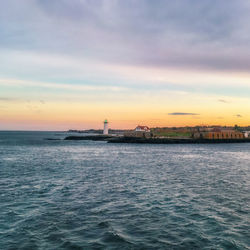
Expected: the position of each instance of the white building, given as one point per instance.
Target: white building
(246, 134)
(142, 128)
(106, 128)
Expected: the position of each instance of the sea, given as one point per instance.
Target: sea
(59, 194)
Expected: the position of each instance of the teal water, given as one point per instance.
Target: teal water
(95, 195)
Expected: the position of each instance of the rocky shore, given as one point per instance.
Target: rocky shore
(112, 139)
(173, 140)
(89, 137)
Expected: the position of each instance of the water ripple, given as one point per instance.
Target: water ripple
(93, 195)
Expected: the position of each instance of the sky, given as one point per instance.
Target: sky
(71, 64)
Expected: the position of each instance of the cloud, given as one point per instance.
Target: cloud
(222, 100)
(64, 86)
(181, 113)
(175, 34)
(5, 99)
(8, 99)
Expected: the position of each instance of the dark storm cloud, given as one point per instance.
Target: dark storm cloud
(194, 34)
(181, 113)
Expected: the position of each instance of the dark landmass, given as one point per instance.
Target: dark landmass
(173, 140)
(89, 131)
(97, 131)
(52, 139)
(112, 139)
(89, 137)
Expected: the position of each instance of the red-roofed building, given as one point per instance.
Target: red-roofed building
(139, 131)
(142, 128)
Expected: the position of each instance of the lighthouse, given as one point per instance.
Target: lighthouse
(105, 129)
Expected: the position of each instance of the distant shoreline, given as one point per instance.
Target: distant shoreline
(111, 139)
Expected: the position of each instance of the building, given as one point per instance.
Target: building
(139, 131)
(218, 134)
(142, 128)
(105, 129)
(246, 134)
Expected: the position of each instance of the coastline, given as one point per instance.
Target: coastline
(112, 139)
(88, 137)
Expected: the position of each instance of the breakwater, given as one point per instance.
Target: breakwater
(123, 139)
(88, 137)
(173, 140)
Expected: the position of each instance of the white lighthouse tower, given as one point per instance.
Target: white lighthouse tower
(106, 128)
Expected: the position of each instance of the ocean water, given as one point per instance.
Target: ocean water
(95, 195)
